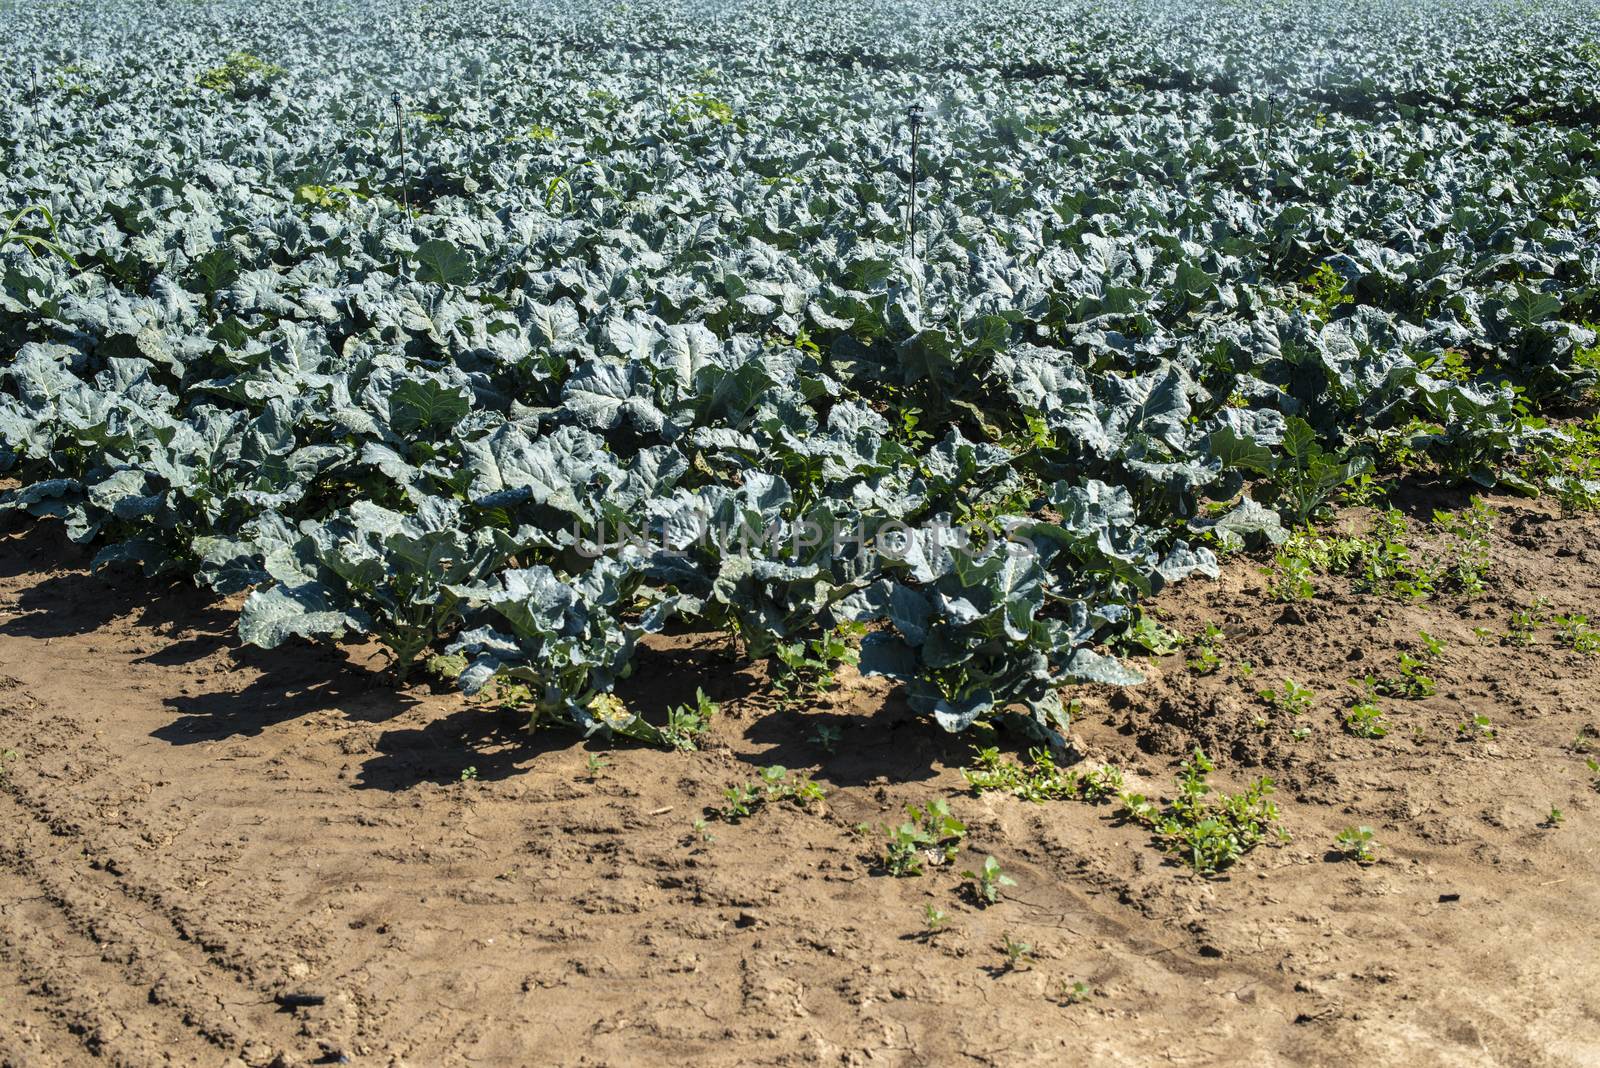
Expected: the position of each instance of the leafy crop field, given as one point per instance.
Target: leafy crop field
(958, 493)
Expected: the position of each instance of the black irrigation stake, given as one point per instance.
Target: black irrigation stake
(405, 170)
(914, 117)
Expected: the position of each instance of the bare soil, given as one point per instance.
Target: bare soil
(189, 830)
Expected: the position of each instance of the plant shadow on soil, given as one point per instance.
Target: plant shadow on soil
(493, 743)
(875, 746)
(69, 600)
(878, 739)
(293, 682)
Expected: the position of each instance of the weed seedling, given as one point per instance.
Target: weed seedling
(988, 881)
(1292, 698)
(1018, 954)
(1207, 830)
(469, 774)
(1290, 578)
(1204, 660)
(933, 919)
(1575, 633)
(1476, 728)
(1554, 819)
(827, 737)
(686, 724)
(1364, 719)
(1100, 784)
(812, 666)
(1075, 993)
(1468, 532)
(1137, 808)
(1412, 683)
(772, 785)
(1525, 621)
(1357, 844)
(931, 835)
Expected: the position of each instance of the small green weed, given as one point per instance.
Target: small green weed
(1292, 698)
(1075, 993)
(1574, 632)
(930, 835)
(812, 666)
(1018, 954)
(1357, 844)
(1207, 830)
(1205, 659)
(987, 881)
(1364, 718)
(687, 724)
(827, 737)
(1525, 621)
(772, 785)
(1041, 779)
(1324, 291)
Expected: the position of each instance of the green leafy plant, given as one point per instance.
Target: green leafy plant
(772, 785)
(34, 244)
(987, 881)
(1041, 779)
(812, 666)
(1324, 293)
(1305, 474)
(1411, 683)
(1468, 534)
(1387, 565)
(331, 197)
(1574, 632)
(1147, 634)
(1364, 718)
(1525, 621)
(827, 736)
(1207, 829)
(1017, 953)
(1357, 844)
(930, 834)
(1205, 659)
(687, 724)
(1292, 699)
(1075, 993)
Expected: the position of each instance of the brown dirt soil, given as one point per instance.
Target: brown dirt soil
(190, 829)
